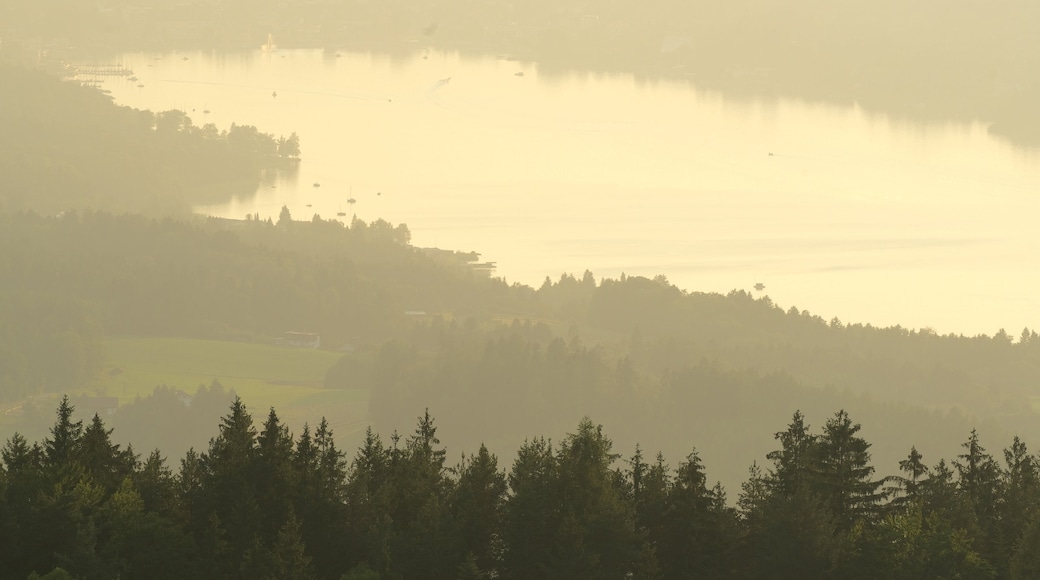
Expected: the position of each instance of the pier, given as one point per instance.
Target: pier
(102, 70)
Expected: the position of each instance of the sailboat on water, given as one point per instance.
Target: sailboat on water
(269, 46)
(350, 200)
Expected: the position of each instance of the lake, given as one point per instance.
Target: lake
(836, 210)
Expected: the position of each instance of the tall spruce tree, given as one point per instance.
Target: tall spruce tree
(979, 484)
(61, 447)
(368, 495)
(532, 512)
(905, 490)
(478, 506)
(1020, 496)
(793, 462)
(700, 531)
(596, 536)
(102, 460)
(274, 477)
(426, 541)
(229, 488)
(843, 473)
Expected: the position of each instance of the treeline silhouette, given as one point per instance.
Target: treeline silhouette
(422, 327)
(259, 502)
(68, 147)
(71, 280)
(631, 351)
(498, 388)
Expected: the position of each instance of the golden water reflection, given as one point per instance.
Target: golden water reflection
(842, 212)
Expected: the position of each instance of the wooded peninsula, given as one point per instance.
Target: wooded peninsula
(155, 331)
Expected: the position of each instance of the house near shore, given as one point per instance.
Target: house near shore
(101, 406)
(184, 398)
(301, 339)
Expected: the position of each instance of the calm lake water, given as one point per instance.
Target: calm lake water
(835, 210)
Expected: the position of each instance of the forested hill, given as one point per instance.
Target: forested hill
(262, 502)
(68, 147)
(68, 279)
(421, 328)
(645, 357)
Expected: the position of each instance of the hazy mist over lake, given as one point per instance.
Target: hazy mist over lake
(454, 289)
(846, 213)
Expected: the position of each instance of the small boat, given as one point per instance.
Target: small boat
(760, 286)
(269, 46)
(352, 201)
(316, 184)
(308, 205)
(274, 94)
(140, 86)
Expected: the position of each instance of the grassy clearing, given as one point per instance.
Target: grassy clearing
(288, 379)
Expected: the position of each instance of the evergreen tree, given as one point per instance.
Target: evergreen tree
(792, 525)
(229, 487)
(61, 447)
(134, 543)
(22, 483)
(906, 488)
(700, 531)
(794, 537)
(368, 497)
(978, 478)
(531, 512)
(1020, 496)
(596, 535)
(157, 486)
(274, 479)
(909, 545)
(426, 543)
(652, 503)
(843, 472)
(102, 460)
(332, 464)
(754, 492)
(478, 506)
(1025, 562)
(792, 463)
(979, 483)
(285, 559)
(322, 512)
(21, 458)
(636, 473)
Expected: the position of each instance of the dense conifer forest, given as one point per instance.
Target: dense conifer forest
(645, 358)
(261, 502)
(67, 147)
(99, 243)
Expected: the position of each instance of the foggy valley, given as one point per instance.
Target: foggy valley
(354, 290)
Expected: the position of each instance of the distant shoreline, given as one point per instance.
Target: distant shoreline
(941, 93)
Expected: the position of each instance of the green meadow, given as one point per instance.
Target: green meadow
(288, 379)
